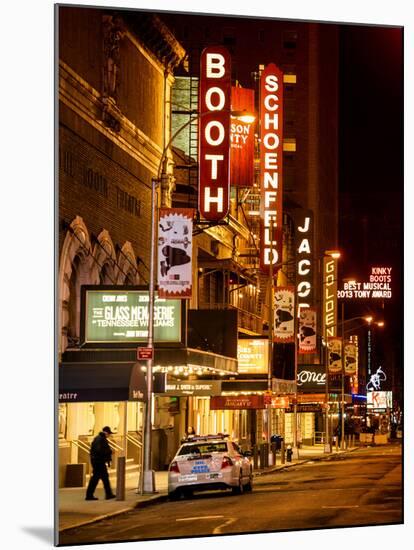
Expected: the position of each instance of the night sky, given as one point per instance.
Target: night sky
(371, 173)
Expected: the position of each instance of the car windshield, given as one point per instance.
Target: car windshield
(203, 448)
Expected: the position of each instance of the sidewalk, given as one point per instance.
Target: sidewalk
(74, 511)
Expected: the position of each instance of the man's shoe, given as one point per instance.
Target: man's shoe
(91, 498)
(110, 496)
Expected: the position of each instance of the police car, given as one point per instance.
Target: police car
(203, 463)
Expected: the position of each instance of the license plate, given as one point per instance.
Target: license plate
(189, 477)
(214, 476)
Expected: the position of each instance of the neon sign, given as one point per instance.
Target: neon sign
(378, 286)
(214, 133)
(271, 155)
(376, 379)
(304, 232)
(330, 278)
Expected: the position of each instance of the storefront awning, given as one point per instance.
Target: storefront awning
(96, 381)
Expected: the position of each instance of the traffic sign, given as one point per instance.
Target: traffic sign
(145, 353)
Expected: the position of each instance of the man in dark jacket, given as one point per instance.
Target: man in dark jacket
(101, 456)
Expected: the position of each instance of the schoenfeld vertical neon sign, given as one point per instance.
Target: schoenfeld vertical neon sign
(214, 133)
(271, 159)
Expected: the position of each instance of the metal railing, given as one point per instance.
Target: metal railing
(318, 438)
(80, 444)
(134, 440)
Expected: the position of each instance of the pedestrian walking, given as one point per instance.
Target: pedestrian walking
(101, 457)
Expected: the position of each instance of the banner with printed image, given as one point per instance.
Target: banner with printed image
(351, 358)
(334, 355)
(307, 331)
(284, 315)
(175, 240)
(242, 139)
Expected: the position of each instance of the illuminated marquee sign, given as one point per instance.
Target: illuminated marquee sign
(242, 139)
(379, 400)
(252, 356)
(330, 279)
(304, 244)
(271, 161)
(378, 286)
(116, 315)
(214, 133)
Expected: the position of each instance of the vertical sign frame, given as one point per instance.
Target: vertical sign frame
(214, 133)
(271, 163)
(330, 301)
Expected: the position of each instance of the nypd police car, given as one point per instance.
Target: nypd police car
(210, 462)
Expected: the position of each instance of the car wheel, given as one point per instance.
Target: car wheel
(174, 495)
(238, 490)
(249, 484)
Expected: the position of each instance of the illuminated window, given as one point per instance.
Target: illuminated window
(289, 144)
(289, 79)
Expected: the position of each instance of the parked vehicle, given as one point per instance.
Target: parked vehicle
(210, 462)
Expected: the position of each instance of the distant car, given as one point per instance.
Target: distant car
(204, 463)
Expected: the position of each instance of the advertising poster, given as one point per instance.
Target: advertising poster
(307, 331)
(242, 139)
(284, 315)
(334, 355)
(252, 356)
(175, 248)
(379, 399)
(121, 316)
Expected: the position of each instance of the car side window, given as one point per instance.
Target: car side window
(236, 448)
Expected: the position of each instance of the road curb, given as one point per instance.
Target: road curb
(138, 504)
(305, 461)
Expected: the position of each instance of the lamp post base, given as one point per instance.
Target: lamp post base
(295, 453)
(148, 482)
(327, 448)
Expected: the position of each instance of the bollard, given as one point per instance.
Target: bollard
(282, 452)
(266, 455)
(273, 450)
(120, 478)
(289, 453)
(353, 440)
(262, 455)
(255, 457)
(336, 443)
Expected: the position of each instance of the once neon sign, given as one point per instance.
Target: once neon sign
(271, 155)
(214, 133)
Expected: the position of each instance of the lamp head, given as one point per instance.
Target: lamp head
(244, 116)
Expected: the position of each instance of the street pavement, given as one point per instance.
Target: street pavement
(345, 489)
(74, 511)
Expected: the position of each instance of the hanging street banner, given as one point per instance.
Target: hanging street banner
(303, 220)
(117, 315)
(271, 163)
(350, 358)
(329, 305)
(242, 139)
(284, 315)
(334, 355)
(175, 237)
(214, 133)
(307, 331)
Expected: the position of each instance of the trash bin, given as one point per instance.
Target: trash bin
(277, 440)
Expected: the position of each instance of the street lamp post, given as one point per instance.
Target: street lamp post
(147, 480)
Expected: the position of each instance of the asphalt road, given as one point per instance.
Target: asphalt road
(360, 488)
